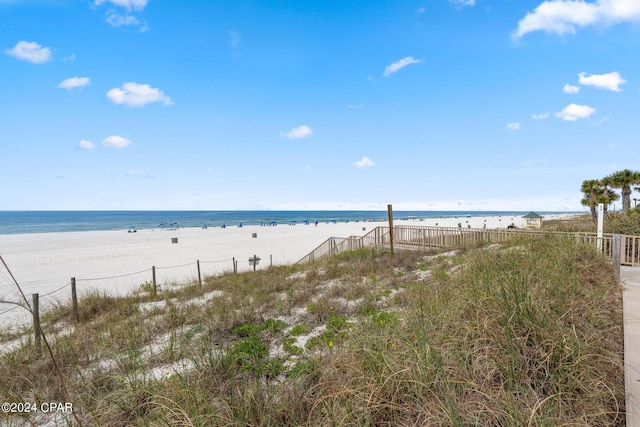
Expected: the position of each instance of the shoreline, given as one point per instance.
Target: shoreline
(118, 262)
(26, 222)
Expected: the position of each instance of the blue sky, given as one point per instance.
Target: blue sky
(244, 104)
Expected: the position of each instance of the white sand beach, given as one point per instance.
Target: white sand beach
(119, 262)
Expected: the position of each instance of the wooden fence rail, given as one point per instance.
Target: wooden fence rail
(422, 238)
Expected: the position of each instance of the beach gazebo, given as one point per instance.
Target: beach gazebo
(532, 220)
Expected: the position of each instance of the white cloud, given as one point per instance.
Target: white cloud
(513, 126)
(136, 95)
(541, 116)
(299, 132)
(609, 81)
(397, 66)
(573, 112)
(69, 58)
(421, 10)
(115, 142)
(86, 145)
(365, 162)
(30, 52)
(463, 2)
(570, 89)
(116, 20)
(127, 4)
(74, 82)
(563, 16)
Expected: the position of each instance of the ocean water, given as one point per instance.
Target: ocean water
(18, 222)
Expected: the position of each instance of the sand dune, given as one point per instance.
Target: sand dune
(118, 261)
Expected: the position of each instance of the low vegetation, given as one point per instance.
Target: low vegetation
(523, 333)
(574, 223)
(615, 223)
(624, 223)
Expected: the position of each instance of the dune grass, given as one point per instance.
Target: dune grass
(575, 223)
(527, 333)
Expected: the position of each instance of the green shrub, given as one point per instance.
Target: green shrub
(248, 330)
(299, 330)
(336, 323)
(288, 345)
(274, 325)
(624, 223)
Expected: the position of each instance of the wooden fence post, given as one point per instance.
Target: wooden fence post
(74, 300)
(153, 276)
(36, 321)
(600, 226)
(199, 276)
(616, 254)
(271, 260)
(390, 213)
(235, 265)
(254, 262)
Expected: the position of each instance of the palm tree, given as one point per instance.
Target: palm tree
(590, 188)
(623, 179)
(595, 192)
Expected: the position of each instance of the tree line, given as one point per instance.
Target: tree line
(596, 191)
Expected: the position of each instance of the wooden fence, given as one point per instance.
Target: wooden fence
(423, 238)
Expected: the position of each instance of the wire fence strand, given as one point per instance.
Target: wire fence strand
(214, 262)
(11, 309)
(175, 266)
(112, 277)
(59, 289)
(92, 279)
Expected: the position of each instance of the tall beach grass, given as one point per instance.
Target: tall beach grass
(527, 333)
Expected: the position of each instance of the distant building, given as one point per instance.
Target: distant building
(532, 220)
